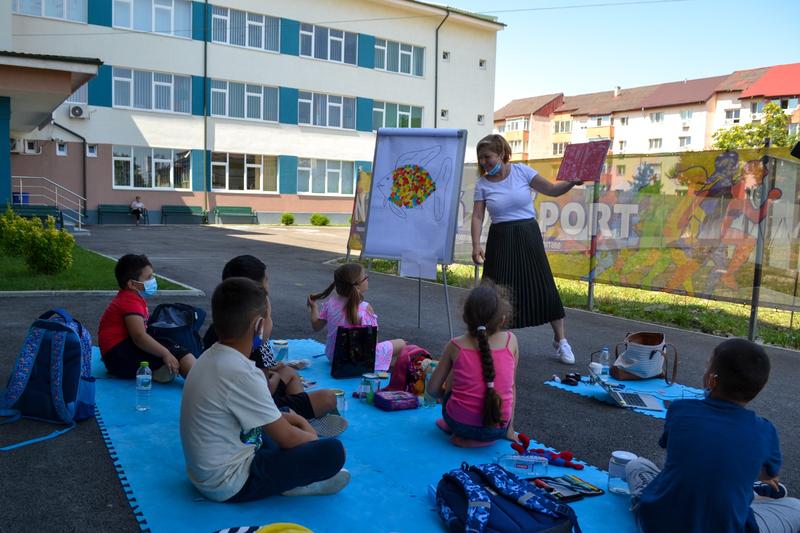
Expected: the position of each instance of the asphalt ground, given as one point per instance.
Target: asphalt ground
(69, 483)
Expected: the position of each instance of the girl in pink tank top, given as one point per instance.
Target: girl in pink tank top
(476, 373)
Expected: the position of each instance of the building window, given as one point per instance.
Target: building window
(501, 128)
(562, 126)
(686, 114)
(244, 172)
(80, 96)
(516, 146)
(602, 120)
(517, 124)
(240, 100)
(481, 119)
(390, 115)
(168, 17)
(444, 114)
(326, 110)
(620, 170)
(151, 168)
(623, 121)
(91, 150)
(241, 28)
(61, 149)
(325, 176)
(74, 10)
(329, 44)
(399, 57)
(622, 145)
(756, 107)
(558, 148)
(732, 116)
(152, 91)
(445, 55)
(655, 144)
(657, 117)
(482, 64)
(684, 142)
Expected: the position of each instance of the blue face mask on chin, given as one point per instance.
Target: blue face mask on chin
(495, 170)
(150, 287)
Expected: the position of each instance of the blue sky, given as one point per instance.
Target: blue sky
(592, 49)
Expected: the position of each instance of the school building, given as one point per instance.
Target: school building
(267, 105)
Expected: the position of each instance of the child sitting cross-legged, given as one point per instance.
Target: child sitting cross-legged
(122, 334)
(237, 445)
(721, 471)
(476, 373)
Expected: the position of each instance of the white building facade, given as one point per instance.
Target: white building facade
(268, 105)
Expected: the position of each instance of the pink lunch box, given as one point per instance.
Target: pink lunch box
(395, 400)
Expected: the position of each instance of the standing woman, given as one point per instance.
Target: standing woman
(515, 256)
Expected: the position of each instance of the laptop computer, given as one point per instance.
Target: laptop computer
(629, 400)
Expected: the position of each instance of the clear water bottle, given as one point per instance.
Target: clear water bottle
(427, 399)
(144, 382)
(604, 362)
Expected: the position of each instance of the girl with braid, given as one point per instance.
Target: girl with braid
(476, 373)
(347, 308)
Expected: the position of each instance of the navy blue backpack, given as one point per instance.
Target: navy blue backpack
(180, 323)
(489, 499)
(52, 376)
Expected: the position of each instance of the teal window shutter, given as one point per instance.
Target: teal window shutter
(197, 95)
(100, 87)
(287, 105)
(99, 12)
(199, 17)
(287, 174)
(198, 162)
(290, 37)
(364, 114)
(366, 50)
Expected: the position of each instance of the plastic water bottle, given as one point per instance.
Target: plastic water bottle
(604, 362)
(427, 399)
(144, 382)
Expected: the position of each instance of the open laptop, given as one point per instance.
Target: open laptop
(630, 400)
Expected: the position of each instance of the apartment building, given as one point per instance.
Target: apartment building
(656, 119)
(268, 105)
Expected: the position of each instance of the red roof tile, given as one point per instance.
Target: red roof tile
(781, 80)
(525, 106)
(682, 92)
(741, 79)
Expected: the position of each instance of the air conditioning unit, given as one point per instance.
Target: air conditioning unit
(80, 111)
(16, 146)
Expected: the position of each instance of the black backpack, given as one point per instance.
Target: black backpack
(489, 499)
(180, 323)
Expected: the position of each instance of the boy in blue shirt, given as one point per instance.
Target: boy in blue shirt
(718, 453)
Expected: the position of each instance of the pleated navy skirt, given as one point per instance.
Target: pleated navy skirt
(515, 258)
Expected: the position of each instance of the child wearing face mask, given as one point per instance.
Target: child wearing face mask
(122, 334)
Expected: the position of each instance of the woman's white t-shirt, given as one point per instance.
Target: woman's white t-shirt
(508, 199)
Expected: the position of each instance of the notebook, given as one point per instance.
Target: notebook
(630, 400)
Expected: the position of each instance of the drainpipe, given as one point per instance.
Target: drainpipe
(436, 73)
(206, 31)
(83, 139)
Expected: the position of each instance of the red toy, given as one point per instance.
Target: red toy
(553, 458)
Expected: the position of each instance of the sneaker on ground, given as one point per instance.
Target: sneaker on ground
(332, 485)
(564, 352)
(768, 491)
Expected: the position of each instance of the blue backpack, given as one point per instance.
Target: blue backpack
(180, 323)
(489, 499)
(52, 377)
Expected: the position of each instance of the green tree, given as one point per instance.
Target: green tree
(774, 125)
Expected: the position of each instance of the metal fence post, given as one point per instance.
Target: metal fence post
(769, 178)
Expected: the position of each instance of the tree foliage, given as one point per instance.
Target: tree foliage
(773, 125)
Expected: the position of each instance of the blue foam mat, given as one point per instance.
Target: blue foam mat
(655, 387)
(393, 458)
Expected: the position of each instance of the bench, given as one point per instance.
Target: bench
(183, 211)
(234, 211)
(118, 209)
(39, 211)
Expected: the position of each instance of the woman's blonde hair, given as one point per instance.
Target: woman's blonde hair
(496, 144)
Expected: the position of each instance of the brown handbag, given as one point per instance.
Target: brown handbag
(645, 355)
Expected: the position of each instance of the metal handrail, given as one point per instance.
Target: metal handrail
(72, 204)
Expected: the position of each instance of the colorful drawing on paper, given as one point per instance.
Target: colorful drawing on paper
(419, 178)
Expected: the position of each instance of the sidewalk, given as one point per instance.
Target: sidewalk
(71, 478)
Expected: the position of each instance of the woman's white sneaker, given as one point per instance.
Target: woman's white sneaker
(564, 352)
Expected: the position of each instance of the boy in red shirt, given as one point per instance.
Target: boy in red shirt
(122, 334)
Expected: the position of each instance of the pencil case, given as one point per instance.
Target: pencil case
(395, 400)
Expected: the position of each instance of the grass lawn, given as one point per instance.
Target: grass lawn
(709, 316)
(89, 271)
